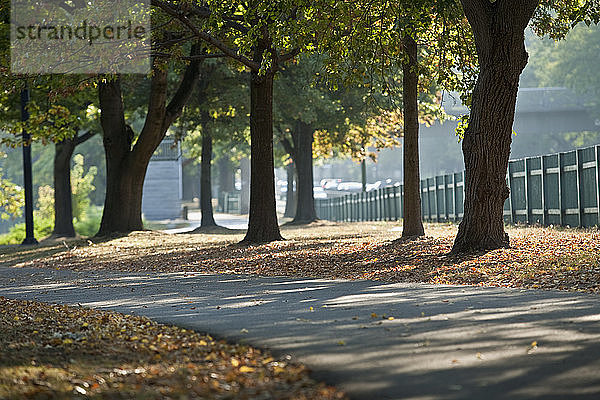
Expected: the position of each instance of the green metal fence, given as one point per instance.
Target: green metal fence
(558, 189)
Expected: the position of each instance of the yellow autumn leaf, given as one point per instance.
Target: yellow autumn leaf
(245, 368)
(235, 362)
(203, 343)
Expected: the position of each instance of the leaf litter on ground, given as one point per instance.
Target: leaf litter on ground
(539, 257)
(63, 352)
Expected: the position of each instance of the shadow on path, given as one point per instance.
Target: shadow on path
(374, 340)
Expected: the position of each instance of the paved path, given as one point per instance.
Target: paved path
(231, 221)
(443, 343)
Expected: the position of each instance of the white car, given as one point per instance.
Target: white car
(319, 192)
(350, 187)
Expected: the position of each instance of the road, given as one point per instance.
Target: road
(374, 340)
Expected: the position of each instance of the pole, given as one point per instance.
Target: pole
(27, 175)
(363, 170)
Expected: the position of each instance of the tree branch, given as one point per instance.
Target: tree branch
(287, 145)
(288, 56)
(84, 138)
(229, 52)
(186, 87)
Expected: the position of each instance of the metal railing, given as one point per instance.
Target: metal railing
(552, 189)
(231, 203)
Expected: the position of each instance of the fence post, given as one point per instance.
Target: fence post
(402, 202)
(527, 208)
(395, 191)
(464, 188)
(363, 212)
(579, 187)
(598, 183)
(381, 192)
(560, 174)
(423, 191)
(543, 189)
(454, 189)
(387, 207)
(510, 198)
(446, 213)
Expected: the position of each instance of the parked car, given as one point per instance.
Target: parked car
(350, 187)
(319, 193)
(373, 186)
(330, 183)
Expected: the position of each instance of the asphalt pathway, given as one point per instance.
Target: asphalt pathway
(374, 340)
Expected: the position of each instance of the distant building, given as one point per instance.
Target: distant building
(163, 191)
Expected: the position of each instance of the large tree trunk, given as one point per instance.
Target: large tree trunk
(206, 208)
(262, 222)
(499, 36)
(412, 225)
(290, 196)
(226, 177)
(126, 164)
(63, 206)
(122, 181)
(303, 140)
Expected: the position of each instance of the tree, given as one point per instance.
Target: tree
(126, 160)
(412, 225)
(571, 62)
(63, 202)
(498, 29)
(11, 197)
(303, 106)
(430, 42)
(262, 36)
(215, 114)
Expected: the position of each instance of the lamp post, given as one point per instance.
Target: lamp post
(27, 175)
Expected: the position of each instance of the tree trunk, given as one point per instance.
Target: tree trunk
(262, 222)
(499, 37)
(206, 208)
(290, 197)
(226, 178)
(119, 214)
(303, 140)
(412, 225)
(126, 163)
(63, 206)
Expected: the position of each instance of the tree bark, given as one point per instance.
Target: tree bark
(206, 208)
(290, 197)
(262, 222)
(302, 137)
(499, 37)
(412, 225)
(63, 206)
(126, 163)
(226, 175)
(119, 214)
